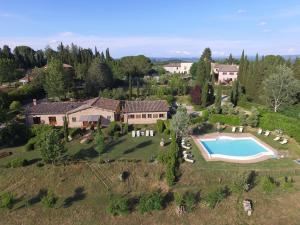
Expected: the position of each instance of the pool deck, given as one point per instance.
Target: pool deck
(216, 134)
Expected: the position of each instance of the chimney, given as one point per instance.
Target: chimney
(34, 101)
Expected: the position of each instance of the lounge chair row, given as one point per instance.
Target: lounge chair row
(234, 129)
(277, 138)
(188, 157)
(139, 133)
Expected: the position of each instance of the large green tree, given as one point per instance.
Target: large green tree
(51, 147)
(280, 88)
(180, 122)
(99, 76)
(203, 73)
(135, 67)
(55, 82)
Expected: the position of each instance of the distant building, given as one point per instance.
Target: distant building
(223, 73)
(183, 67)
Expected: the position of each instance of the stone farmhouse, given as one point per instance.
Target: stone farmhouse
(223, 73)
(87, 113)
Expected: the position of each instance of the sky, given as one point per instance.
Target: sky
(156, 28)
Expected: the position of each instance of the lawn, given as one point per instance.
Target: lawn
(125, 147)
(82, 198)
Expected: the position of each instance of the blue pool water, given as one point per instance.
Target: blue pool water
(234, 147)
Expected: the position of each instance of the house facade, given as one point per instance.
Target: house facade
(183, 67)
(224, 74)
(88, 113)
(145, 112)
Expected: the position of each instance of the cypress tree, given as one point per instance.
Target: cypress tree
(218, 99)
(204, 95)
(66, 129)
(241, 66)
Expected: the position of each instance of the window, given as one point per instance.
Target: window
(131, 116)
(161, 115)
(149, 115)
(73, 119)
(224, 73)
(52, 120)
(231, 73)
(36, 120)
(155, 116)
(138, 116)
(144, 116)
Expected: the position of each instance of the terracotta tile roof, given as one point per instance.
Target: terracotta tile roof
(226, 68)
(146, 106)
(52, 107)
(105, 103)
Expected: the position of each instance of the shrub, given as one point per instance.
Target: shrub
(17, 163)
(166, 131)
(214, 197)
(243, 119)
(195, 94)
(6, 200)
(178, 197)
(14, 134)
(267, 184)
(112, 128)
(170, 175)
(197, 120)
(15, 106)
(160, 126)
(49, 200)
(125, 129)
(99, 142)
(150, 202)
(118, 206)
(189, 200)
(205, 114)
(228, 109)
(287, 183)
(30, 145)
(73, 132)
(289, 125)
(225, 119)
(253, 119)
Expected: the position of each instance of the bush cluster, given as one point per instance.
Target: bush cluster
(187, 199)
(118, 206)
(6, 200)
(216, 196)
(225, 119)
(150, 202)
(49, 200)
(16, 163)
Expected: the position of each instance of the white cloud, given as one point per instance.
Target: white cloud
(262, 23)
(154, 46)
(67, 34)
(181, 52)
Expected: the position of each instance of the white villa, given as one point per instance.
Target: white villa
(182, 67)
(224, 74)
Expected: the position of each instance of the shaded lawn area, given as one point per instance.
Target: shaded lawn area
(125, 147)
(140, 148)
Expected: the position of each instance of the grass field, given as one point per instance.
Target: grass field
(82, 198)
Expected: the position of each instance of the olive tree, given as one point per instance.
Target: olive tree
(280, 88)
(180, 122)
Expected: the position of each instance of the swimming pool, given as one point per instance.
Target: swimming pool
(238, 148)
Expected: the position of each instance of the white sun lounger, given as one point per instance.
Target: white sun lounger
(185, 147)
(259, 131)
(133, 133)
(151, 133)
(277, 138)
(267, 133)
(138, 133)
(233, 129)
(241, 129)
(284, 141)
(189, 160)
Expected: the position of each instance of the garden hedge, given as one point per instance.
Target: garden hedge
(233, 120)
